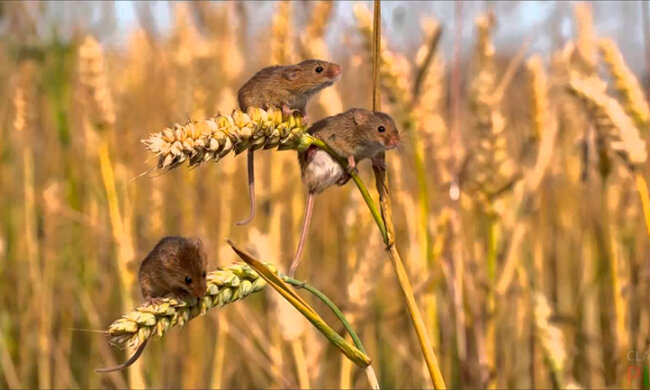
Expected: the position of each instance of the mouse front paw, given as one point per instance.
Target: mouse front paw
(153, 301)
(352, 166)
(288, 111)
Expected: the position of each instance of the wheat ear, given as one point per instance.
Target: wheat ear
(610, 117)
(625, 83)
(213, 138)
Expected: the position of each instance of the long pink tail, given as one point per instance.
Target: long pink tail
(303, 234)
(251, 189)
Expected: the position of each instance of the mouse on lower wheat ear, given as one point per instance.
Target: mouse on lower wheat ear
(176, 266)
(287, 87)
(355, 135)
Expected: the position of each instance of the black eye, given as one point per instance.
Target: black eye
(188, 280)
(319, 69)
(381, 129)
(203, 274)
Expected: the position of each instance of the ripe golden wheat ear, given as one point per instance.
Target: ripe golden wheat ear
(626, 84)
(92, 73)
(617, 127)
(213, 138)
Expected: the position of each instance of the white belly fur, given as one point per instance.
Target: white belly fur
(321, 172)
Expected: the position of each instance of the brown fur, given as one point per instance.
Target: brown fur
(287, 85)
(165, 268)
(351, 133)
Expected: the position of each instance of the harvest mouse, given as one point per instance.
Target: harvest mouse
(287, 87)
(355, 135)
(176, 265)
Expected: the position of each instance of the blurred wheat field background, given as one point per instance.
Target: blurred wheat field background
(519, 195)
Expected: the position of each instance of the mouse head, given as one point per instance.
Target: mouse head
(185, 264)
(311, 76)
(376, 127)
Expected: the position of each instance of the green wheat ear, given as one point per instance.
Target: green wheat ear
(225, 286)
(213, 138)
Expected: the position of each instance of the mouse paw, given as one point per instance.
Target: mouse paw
(379, 163)
(153, 301)
(288, 111)
(352, 166)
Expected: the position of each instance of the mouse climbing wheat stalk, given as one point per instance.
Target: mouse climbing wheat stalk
(176, 265)
(355, 135)
(287, 87)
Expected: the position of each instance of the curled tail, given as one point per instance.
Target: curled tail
(251, 189)
(303, 234)
(127, 363)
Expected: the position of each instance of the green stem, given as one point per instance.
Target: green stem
(357, 180)
(330, 304)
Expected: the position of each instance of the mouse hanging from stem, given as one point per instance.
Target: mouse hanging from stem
(287, 87)
(175, 266)
(355, 135)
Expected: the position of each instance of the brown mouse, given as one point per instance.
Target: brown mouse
(356, 134)
(176, 265)
(287, 87)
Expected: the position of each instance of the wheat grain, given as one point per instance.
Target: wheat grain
(214, 138)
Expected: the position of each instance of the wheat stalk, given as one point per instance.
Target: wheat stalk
(312, 42)
(282, 34)
(585, 55)
(23, 102)
(385, 220)
(313, 45)
(626, 83)
(212, 139)
(550, 338)
(393, 74)
(430, 100)
(494, 166)
(393, 69)
(539, 99)
(92, 72)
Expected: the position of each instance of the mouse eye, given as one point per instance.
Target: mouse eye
(381, 129)
(203, 274)
(188, 280)
(319, 69)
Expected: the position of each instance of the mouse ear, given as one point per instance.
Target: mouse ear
(359, 117)
(197, 242)
(291, 73)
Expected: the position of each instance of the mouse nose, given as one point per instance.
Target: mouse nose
(335, 71)
(200, 291)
